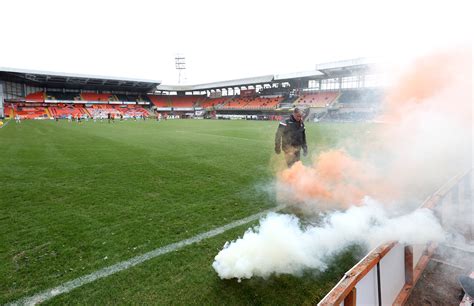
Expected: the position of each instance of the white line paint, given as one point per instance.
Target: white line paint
(5, 124)
(78, 282)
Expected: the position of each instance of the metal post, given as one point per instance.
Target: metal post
(409, 265)
(2, 98)
(379, 291)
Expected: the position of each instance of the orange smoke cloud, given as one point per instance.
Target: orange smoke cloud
(429, 77)
(334, 178)
(431, 139)
(431, 107)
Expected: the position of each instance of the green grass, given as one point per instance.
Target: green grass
(80, 197)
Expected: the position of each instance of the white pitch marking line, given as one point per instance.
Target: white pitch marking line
(4, 125)
(104, 272)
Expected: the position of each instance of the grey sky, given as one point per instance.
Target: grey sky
(220, 39)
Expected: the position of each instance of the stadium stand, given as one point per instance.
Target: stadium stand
(253, 103)
(363, 96)
(175, 101)
(131, 98)
(259, 102)
(236, 103)
(8, 110)
(259, 98)
(320, 99)
(120, 97)
(129, 111)
(63, 96)
(138, 98)
(90, 96)
(64, 111)
(160, 101)
(277, 91)
(35, 97)
(85, 96)
(209, 103)
(184, 101)
(289, 99)
(101, 111)
(28, 112)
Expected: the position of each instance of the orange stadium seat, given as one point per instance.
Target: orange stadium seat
(207, 103)
(8, 110)
(102, 110)
(259, 102)
(132, 111)
(184, 101)
(160, 101)
(35, 97)
(253, 103)
(236, 103)
(65, 111)
(175, 101)
(26, 112)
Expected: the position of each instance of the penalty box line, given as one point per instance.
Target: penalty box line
(107, 271)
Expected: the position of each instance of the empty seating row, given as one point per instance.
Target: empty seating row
(67, 110)
(207, 103)
(36, 112)
(175, 101)
(320, 99)
(253, 103)
(41, 96)
(35, 97)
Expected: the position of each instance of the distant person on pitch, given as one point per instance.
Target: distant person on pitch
(291, 138)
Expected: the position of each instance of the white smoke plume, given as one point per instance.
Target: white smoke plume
(282, 245)
(424, 138)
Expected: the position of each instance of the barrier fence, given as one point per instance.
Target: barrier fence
(388, 273)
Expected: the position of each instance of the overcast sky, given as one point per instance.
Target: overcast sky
(221, 40)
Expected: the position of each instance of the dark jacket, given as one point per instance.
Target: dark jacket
(290, 134)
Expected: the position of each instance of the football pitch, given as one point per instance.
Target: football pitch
(79, 197)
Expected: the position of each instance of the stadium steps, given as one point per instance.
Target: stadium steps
(225, 102)
(84, 111)
(335, 100)
(48, 112)
(169, 101)
(228, 100)
(199, 101)
(320, 114)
